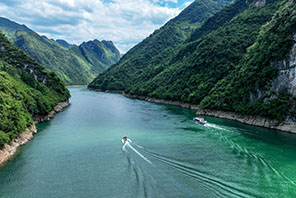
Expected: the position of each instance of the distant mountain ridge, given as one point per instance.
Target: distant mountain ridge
(64, 43)
(73, 64)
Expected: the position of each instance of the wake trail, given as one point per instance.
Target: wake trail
(136, 151)
(215, 126)
(248, 153)
(170, 178)
(208, 180)
(139, 146)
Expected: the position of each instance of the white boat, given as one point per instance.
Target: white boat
(200, 121)
(125, 140)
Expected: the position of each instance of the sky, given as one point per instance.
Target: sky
(125, 22)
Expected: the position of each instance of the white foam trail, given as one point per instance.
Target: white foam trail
(135, 150)
(214, 126)
(139, 146)
(124, 145)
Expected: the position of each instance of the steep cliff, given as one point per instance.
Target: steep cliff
(286, 72)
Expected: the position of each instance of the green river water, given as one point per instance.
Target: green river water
(79, 154)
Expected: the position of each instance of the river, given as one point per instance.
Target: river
(79, 154)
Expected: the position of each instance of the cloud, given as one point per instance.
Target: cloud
(125, 22)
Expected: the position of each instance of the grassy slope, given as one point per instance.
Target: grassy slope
(158, 47)
(26, 89)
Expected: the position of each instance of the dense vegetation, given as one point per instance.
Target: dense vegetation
(252, 77)
(207, 60)
(158, 47)
(219, 19)
(73, 64)
(26, 89)
(223, 62)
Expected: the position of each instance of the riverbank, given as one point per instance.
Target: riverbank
(9, 150)
(161, 101)
(76, 85)
(250, 120)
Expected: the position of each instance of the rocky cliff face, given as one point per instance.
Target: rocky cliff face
(9, 150)
(287, 72)
(60, 106)
(258, 3)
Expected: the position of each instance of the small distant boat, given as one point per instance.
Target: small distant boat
(199, 120)
(125, 140)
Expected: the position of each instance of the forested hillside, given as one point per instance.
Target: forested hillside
(199, 65)
(73, 64)
(263, 83)
(159, 47)
(231, 62)
(27, 89)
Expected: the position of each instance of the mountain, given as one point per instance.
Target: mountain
(200, 64)
(73, 64)
(158, 47)
(264, 81)
(64, 43)
(27, 89)
(103, 52)
(241, 59)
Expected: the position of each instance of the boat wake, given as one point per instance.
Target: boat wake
(215, 126)
(245, 152)
(206, 124)
(127, 144)
(220, 187)
(179, 188)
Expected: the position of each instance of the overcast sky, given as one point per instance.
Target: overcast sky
(125, 22)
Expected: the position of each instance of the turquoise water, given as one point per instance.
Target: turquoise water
(79, 154)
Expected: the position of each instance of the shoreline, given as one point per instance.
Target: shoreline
(9, 150)
(162, 101)
(259, 121)
(76, 86)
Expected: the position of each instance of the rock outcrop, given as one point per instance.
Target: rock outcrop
(9, 150)
(58, 108)
(258, 3)
(287, 72)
